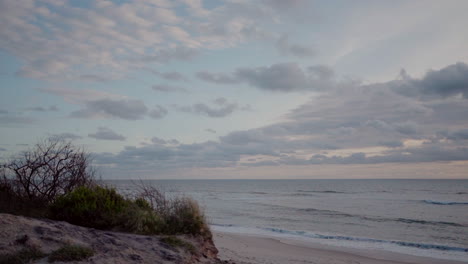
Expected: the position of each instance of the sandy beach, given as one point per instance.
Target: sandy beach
(246, 249)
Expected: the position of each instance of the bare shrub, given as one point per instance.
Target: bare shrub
(156, 198)
(182, 215)
(51, 168)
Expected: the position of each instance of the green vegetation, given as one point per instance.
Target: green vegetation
(22, 256)
(95, 206)
(104, 208)
(71, 253)
(186, 217)
(54, 180)
(178, 243)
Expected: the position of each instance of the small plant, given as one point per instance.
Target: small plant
(22, 256)
(181, 215)
(186, 217)
(178, 243)
(71, 253)
(139, 220)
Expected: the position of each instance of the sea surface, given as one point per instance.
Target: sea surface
(417, 217)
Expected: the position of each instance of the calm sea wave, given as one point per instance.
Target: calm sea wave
(419, 217)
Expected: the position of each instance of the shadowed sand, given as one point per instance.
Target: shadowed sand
(245, 249)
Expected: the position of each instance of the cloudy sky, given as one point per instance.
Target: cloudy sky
(240, 88)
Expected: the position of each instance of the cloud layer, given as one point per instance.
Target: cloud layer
(281, 77)
(356, 124)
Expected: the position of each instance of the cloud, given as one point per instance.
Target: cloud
(160, 141)
(105, 133)
(158, 112)
(409, 155)
(461, 134)
(66, 136)
(52, 108)
(2, 112)
(171, 76)
(14, 119)
(3, 149)
(446, 82)
(286, 48)
(278, 77)
(104, 40)
(210, 130)
(168, 55)
(168, 88)
(106, 108)
(221, 108)
(351, 124)
(281, 77)
(93, 78)
(408, 128)
(219, 78)
(80, 95)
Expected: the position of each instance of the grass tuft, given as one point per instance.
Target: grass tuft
(178, 243)
(22, 256)
(71, 253)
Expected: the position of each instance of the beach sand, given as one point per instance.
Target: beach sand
(246, 249)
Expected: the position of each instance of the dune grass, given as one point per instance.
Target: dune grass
(22, 256)
(178, 243)
(70, 253)
(151, 213)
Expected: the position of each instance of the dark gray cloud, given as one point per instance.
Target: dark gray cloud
(171, 76)
(3, 149)
(408, 155)
(219, 78)
(284, 77)
(407, 128)
(221, 108)
(52, 108)
(158, 112)
(244, 137)
(391, 144)
(12, 119)
(461, 134)
(66, 136)
(2, 112)
(105, 133)
(281, 77)
(160, 141)
(124, 109)
(210, 130)
(93, 78)
(449, 81)
(168, 88)
(286, 48)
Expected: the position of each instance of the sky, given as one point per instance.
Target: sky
(237, 89)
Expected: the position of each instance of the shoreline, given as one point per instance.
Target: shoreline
(251, 249)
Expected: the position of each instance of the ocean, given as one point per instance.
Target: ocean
(418, 217)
